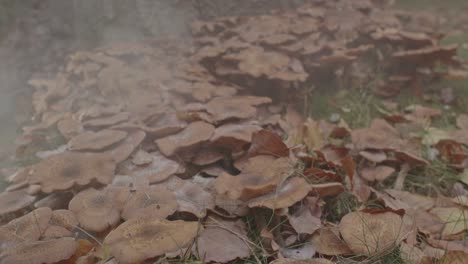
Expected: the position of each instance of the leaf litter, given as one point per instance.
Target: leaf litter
(183, 156)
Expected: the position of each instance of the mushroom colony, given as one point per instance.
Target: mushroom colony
(173, 150)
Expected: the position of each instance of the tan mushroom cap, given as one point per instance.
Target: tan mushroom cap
(370, 234)
(288, 193)
(142, 238)
(327, 241)
(69, 127)
(159, 169)
(194, 134)
(260, 175)
(98, 210)
(380, 135)
(374, 156)
(63, 171)
(102, 122)
(379, 173)
(429, 55)
(29, 227)
(13, 201)
(235, 135)
(257, 62)
(215, 244)
(125, 148)
(39, 252)
(235, 107)
(61, 224)
(93, 141)
(156, 201)
(191, 197)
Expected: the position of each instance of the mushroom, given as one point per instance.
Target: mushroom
(93, 141)
(14, 201)
(125, 148)
(63, 171)
(29, 227)
(61, 224)
(156, 201)
(234, 136)
(327, 241)
(39, 252)
(99, 210)
(260, 175)
(192, 135)
(288, 193)
(159, 169)
(143, 238)
(235, 107)
(191, 197)
(380, 135)
(369, 234)
(378, 173)
(102, 122)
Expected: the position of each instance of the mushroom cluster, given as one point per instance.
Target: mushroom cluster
(164, 153)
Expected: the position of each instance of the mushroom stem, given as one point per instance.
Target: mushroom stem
(400, 180)
(276, 230)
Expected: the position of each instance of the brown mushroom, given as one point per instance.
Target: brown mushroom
(143, 238)
(39, 252)
(327, 241)
(93, 141)
(63, 171)
(380, 135)
(192, 135)
(125, 148)
(378, 173)
(14, 201)
(159, 169)
(288, 193)
(29, 227)
(99, 210)
(260, 175)
(103, 122)
(235, 107)
(234, 136)
(156, 201)
(370, 234)
(191, 197)
(61, 224)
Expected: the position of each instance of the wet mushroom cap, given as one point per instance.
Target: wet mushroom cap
(39, 252)
(142, 238)
(93, 141)
(13, 201)
(63, 171)
(154, 201)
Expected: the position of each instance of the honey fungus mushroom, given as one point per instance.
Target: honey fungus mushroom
(39, 252)
(93, 141)
(14, 201)
(63, 171)
(139, 239)
(154, 201)
(98, 210)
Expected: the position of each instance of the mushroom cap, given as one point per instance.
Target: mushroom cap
(327, 241)
(328, 189)
(29, 227)
(296, 261)
(156, 201)
(379, 173)
(380, 135)
(194, 134)
(288, 193)
(370, 234)
(191, 197)
(98, 210)
(234, 135)
(454, 219)
(102, 122)
(63, 171)
(93, 141)
(13, 201)
(125, 148)
(159, 169)
(39, 252)
(141, 238)
(260, 175)
(215, 244)
(235, 107)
